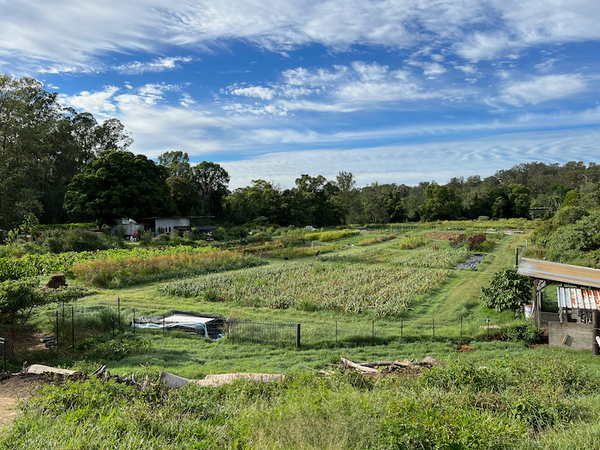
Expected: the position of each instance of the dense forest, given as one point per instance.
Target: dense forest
(60, 165)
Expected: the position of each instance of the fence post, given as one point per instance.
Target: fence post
(119, 311)
(57, 330)
(488, 326)
(373, 332)
(163, 324)
(73, 325)
(113, 321)
(3, 342)
(133, 323)
(297, 335)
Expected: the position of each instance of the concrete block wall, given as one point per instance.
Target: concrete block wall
(576, 336)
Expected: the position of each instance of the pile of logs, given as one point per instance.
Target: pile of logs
(389, 367)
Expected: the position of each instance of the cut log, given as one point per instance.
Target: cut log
(353, 365)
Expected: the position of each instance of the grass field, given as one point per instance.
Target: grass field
(491, 393)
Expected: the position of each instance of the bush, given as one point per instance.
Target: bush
(507, 291)
(525, 331)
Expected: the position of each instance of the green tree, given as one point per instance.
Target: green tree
(349, 196)
(177, 162)
(508, 291)
(441, 203)
(186, 197)
(211, 181)
(119, 184)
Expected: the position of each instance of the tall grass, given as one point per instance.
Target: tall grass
(114, 273)
(326, 236)
(520, 404)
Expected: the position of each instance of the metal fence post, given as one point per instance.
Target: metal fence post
(488, 326)
(73, 325)
(57, 330)
(373, 332)
(297, 335)
(133, 323)
(3, 342)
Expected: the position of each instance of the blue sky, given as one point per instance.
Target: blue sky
(393, 91)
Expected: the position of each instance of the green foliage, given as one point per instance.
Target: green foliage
(135, 270)
(569, 215)
(524, 331)
(507, 291)
(326, 236)
(441, 203)
(351, 289)
(119, 184)
(411, 242)
(32, 265)
(507, 404)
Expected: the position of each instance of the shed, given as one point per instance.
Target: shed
(131, 229)
(168, 225)
(576, 303)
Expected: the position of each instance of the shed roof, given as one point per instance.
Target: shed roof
(564, 273)
(578, 298)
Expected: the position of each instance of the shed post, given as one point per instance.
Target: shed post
(595, 332)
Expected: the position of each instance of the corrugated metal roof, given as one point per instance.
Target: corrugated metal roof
(564, 273)
(578, 298)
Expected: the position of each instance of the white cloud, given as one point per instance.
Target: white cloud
(546, 64)
(502, 28)
(156, 65)
(252, 91)
(413, 163)
(98, 103)
(314, 78)
(544, 88)
(467, 68)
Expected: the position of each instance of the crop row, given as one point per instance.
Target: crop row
(34, 264)
(352, 289)
(112, 273)
(432, 258)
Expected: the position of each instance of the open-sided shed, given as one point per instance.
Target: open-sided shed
(579, 303)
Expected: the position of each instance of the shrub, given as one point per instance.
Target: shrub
(525, 331)
(410, 242)
(507, 291)
(475, 242)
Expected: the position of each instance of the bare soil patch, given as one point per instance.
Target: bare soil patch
(13, 389)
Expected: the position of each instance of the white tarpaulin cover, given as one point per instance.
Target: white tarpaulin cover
(178, 320)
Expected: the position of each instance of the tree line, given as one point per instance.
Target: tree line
(60, 165)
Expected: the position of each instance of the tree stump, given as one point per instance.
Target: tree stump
(56, 281)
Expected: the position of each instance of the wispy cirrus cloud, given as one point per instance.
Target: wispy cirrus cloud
(156, 65)
(543, 88)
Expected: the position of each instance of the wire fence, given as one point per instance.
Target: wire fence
(267, 333)
(72, 325)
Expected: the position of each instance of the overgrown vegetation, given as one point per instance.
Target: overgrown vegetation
(521, 404)
(129, 271)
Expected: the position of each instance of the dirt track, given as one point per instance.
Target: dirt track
(13, 389)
